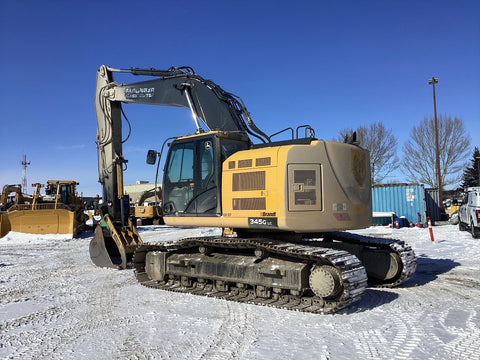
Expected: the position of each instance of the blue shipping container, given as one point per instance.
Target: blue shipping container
(403, 199)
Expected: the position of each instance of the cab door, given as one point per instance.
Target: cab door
(190, 183)
(204, 201)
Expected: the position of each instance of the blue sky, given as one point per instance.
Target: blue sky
(330, 64)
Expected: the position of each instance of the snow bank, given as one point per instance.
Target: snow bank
(22, 238)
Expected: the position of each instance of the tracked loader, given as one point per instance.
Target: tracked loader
(59, 211)
(283, 206)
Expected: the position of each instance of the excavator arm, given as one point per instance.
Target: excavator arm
(149, 193)
(215, 108)
(209, 105)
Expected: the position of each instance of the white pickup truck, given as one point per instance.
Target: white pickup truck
(469, 212)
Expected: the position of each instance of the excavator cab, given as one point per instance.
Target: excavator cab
(192, 177)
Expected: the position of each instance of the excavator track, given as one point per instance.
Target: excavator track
(338, 271)
(401, 253)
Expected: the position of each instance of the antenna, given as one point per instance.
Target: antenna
(24, 163)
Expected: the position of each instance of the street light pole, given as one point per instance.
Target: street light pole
(433, 81)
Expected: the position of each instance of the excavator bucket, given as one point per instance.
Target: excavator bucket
(112, 247)
(42, 221)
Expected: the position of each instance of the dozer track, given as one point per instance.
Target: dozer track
(293, 276)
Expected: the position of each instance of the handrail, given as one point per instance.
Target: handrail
(30, 207)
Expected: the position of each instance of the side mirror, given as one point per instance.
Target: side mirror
(151, 157)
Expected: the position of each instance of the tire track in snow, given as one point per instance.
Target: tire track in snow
(34, 289)
(63, 287)
(234, 334)
(400, 335)
(370, 344)
(131, 348)
(465, 344)
(42, 318)
(408, 335)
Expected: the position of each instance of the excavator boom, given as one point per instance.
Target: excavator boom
(177, 86)
(181, 87)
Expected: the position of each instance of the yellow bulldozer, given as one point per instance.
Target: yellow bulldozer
(59, 211)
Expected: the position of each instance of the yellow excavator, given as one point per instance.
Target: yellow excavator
(7, 199)
(149, 212)
(59, 211)
(283, 205)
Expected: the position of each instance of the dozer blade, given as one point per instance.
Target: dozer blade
(42, 221)
(112, 247)
(4, 224)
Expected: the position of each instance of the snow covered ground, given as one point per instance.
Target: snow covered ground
(54, 304)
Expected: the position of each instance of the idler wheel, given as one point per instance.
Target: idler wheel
(325, 281)
(260, 253)
(205, 250)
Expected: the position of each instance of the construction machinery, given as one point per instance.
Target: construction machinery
(59, 211)
(149, 212)
(283, 205)
(18, 197)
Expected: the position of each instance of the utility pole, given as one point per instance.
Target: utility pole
(24, 163)
(433, 81)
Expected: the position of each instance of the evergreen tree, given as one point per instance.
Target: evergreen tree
(471, 173)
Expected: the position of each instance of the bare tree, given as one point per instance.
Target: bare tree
(382, 145)
(419, 151)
